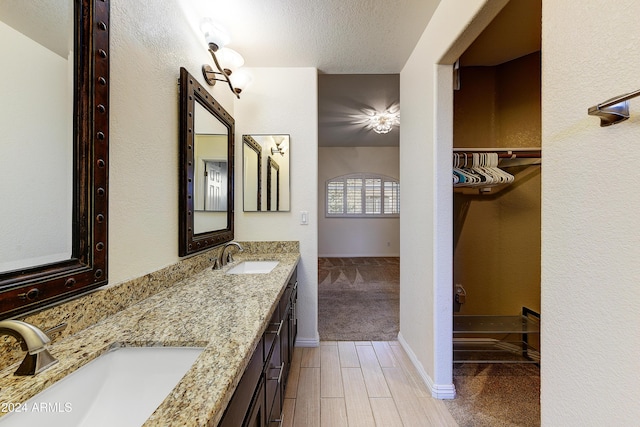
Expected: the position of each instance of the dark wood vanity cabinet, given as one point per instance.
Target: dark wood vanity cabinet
(290, 326)
(258, 399)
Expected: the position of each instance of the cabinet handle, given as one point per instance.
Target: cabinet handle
(277, 332)
(295, 285)
(280, 420)
(294, 313)
(279, 377)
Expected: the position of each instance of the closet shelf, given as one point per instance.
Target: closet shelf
(496, 339)
(486, 324)
(505, 153)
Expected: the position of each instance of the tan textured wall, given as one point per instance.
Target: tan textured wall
(497, 253)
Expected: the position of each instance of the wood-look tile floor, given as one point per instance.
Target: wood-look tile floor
(361, 383)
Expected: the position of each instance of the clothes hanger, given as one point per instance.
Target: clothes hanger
(472, 178)
(466, 179)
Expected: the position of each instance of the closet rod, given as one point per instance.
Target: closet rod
(505, 153)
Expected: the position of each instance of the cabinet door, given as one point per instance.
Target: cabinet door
(245, 392)
(293, 319)
(285, 345)
(273, 382)
(256, 416)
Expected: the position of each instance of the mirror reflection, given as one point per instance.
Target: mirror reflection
(273, 185)
(36, 165)
(211, 172)
(251, 179)
(273, 152)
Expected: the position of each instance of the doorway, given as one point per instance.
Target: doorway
(496, 224)
(358, 209)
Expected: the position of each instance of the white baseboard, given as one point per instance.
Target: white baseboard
(307, 342)
(438, 391)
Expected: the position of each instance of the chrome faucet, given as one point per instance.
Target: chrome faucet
(229, 258)
(33, 341)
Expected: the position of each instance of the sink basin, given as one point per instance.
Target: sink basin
(253, 267)
(123, 387)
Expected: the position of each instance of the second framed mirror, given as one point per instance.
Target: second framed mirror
(265, 174)
(206, 169)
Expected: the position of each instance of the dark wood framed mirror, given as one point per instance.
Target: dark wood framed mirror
(32, 281)
(251, 174)
(206, 169)
(273, 185)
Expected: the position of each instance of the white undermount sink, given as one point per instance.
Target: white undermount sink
(253, 267)
(123, 387)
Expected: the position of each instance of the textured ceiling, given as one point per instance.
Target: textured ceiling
(342, 39)
(335, 36)
(47, 22)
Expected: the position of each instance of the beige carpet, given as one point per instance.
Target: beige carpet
(496, 395)
(358, 299)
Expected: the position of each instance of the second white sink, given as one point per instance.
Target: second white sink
(120, 388)
(253, 267)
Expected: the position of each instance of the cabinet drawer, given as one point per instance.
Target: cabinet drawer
(272, 334)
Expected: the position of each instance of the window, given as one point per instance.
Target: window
(363, 195)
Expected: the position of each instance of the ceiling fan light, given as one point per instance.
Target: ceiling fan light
(383, 122)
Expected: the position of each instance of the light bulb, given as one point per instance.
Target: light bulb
(240, 79)
(214, 33)
(229, 59)
(383, 122)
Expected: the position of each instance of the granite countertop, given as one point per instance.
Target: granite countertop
(225, 314)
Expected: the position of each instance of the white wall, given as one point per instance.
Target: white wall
(344, 237)
(148, 47)
(590, 221)
(285, 101)
(149, 44)
(426, 202)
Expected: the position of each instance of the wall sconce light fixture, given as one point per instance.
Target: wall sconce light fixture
(281, 145)
(227, 61)
(383, 122)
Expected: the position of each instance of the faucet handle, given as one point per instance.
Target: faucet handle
(56, 329)
(229, 257)
(216, 264)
